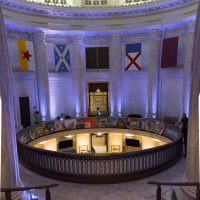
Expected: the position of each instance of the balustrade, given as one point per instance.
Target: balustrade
(102, 168)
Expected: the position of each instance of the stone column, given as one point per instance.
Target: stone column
(192, 159)
(187, 67)
(9, 158)
(79, 74)
(42, 75)
(155, 37)
(116, 75)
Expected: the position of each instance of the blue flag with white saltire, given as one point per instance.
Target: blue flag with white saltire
(62, 58)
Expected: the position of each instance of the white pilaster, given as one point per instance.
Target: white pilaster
(116, 75)
(42, 74)
(192, 159)
(155, 37)
(79, 74)
(9, 159)
(187, 67)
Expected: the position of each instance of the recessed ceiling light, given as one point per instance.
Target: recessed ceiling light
(69, 136)
(129, 135)
(42, 142)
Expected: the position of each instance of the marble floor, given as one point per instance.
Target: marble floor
(135, 190)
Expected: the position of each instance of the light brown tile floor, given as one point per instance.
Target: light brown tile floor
(135, 190)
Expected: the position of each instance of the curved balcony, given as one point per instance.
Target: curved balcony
(101, 168)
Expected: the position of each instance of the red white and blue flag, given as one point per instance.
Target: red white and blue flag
(62, 58)
(133, 57)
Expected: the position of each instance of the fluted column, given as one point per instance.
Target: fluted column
(187, 67)
(42, 75)
(155, 37)
(116, 75)
(79, 74)
(9, 159)
(192, 159)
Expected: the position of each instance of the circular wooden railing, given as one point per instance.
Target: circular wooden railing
(103, 168)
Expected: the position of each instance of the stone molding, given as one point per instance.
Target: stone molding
(38, 36)
(24, 75)
(78, 38)
(116, 38)
(191, 26)
(16, 35)
(179, 31)
(47, 11)
(135, 37)
(57, 38)
(101, 40)
(156, 34)
(58, 76)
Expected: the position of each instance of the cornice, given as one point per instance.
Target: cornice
(38, 36)
(135, 37)
(156, 34)
(98, 39)
(180, 31)
(94, 13)
(57, 38)
(16, 35)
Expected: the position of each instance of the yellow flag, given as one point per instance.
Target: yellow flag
(25, 49)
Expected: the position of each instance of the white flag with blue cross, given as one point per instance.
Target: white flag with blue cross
(62, 58)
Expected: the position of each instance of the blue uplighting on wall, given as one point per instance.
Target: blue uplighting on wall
(33, 197)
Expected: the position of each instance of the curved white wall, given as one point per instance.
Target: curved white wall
(133, 92)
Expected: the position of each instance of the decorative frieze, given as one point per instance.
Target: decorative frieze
(38, 36)
(135, 37)
(97, 40)
(116, 37)
(57, 38)
(138, 11)
(155, 34)
(191, 26)
(179, 31)
(77, 38)
(16, 35)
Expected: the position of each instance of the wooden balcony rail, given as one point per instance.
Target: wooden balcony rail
(159, 184)
(100, 168)
(8, 191)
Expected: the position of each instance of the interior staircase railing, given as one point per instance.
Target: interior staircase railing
(8, 191)
(159, 184)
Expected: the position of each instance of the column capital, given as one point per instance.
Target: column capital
(191, 26)
(77, 38)
(39, 36)
(156, 34)
(116, 37)
(16, 34)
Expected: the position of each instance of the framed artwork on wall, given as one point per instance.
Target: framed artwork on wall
(83, 149)
(115, 148)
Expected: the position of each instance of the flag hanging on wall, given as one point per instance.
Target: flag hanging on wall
(133, 57)
(169, 52)
(26, 55)
(62, 58)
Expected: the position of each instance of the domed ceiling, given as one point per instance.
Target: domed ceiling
(96, 14)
